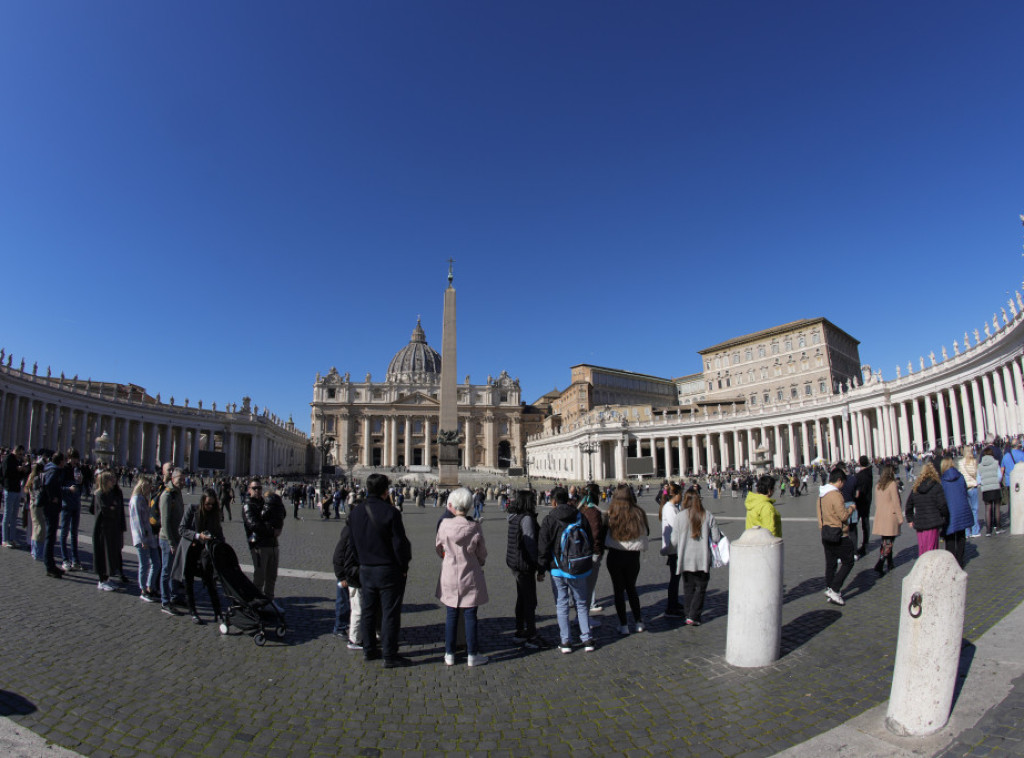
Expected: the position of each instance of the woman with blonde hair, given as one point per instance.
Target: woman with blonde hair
(37, 535)
(625, 539)
(146, 543)
(693, 529)
(927, 511)
(107, 531)
(888, 517)
(969, 468)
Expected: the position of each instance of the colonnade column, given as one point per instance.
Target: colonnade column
(929, 422)
(1018, 386)
(966, 404)
(407, 443)
(426, 441)
(467, 457)
(620, 460)
(955, 414)
(1010, 404)
(682, 457)
(915, 422)
(668, 457)
(940, 401)
(792, 444)
(999, 404)
(992, 425)
(367, 442)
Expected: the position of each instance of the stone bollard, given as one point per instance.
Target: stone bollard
(1017, 500)
(928, 648)
(754, 632)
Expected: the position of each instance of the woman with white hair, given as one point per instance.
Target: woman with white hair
(461, 586)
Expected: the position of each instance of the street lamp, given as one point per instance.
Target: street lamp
(589, 448)
(323, 446)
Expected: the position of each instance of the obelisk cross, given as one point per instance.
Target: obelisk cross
(450, 274)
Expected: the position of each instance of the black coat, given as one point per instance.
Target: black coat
(346, 565)
(926, 506)
(107, 533)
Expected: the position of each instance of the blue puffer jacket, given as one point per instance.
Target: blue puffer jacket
(955, 487)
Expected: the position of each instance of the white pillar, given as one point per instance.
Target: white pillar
(965, 403)
(754, 622)
(955, 415)
(915, 419)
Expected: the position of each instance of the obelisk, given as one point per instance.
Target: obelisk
(448, 428)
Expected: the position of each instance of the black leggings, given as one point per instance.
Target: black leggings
(193, 564)
(624, 568)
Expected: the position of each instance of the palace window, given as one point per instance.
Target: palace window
(775, 348)
(760, 351)
(767, 398)
(789, 344)
(821, 387)
(801, 341)
(735, 358)
(793, 393)
(779, 396)
(815, 339)
(749, 354)
(330, 394)
(807, 390)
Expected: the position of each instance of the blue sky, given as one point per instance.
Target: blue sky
(224, 198)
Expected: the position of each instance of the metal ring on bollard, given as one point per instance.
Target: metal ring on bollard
(915, 603)
(1016, 487)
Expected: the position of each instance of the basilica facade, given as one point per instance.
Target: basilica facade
(395, 422)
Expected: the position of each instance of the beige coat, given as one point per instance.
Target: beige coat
(832, 510)
(888, 512)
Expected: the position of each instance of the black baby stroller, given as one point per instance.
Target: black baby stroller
(245, 602)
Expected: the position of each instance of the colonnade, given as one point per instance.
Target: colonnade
(973, 396)
(46, 413)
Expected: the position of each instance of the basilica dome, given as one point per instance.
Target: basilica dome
(415, 361)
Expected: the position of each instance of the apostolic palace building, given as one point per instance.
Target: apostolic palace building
(797, 392)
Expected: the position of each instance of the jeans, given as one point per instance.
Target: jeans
(592, 580)
(526, 603)
(673, 584)
(383, 586)
(342, 609)
(11, 502)
(451, 625)
(167, 557)
(972, 498)
(69, 518)
(149, 566)
(843, 552)
(355, 615)
(565, 588)
(624, 568)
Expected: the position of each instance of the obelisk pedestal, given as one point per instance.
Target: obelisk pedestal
(448, 428)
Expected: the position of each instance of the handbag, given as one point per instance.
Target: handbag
(830, 535)
(719, 552)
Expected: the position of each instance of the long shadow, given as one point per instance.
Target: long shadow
(803, 628)
(967, 653)
(12, 704)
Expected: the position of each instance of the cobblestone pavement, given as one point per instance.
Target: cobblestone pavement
(105, 674)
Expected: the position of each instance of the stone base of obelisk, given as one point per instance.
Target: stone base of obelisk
(448, 466)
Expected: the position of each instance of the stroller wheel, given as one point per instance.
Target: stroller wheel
(224, 627)
(280, 631)
(260, 639)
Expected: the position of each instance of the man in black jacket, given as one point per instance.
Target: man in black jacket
(384, 553)
(865, 483)
(263, 521)
(348, 611)
(14, 473)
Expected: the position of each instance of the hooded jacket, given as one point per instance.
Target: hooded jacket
(761, 512)
(988, 474)
(460, 543)
(926, 506)
(551, 531)
(954, 486)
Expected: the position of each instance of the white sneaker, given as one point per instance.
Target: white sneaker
(66, 565)
(477, 660)
(640, 627)
(449, 659)
(105, 586)
(834, 597)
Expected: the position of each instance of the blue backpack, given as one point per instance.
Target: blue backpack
(574, 556)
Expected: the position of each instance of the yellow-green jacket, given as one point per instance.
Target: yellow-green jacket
(761, 512)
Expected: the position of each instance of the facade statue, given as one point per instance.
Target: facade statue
(922, 362)
(35, 368)
(977, 337)
(931, 357)
(49, 373)
(956, 348)
(945, 355)
(988, 334)
(1005, 319)
(898, 374)
(910, 368)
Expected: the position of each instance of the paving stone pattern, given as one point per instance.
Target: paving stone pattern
(105, 674)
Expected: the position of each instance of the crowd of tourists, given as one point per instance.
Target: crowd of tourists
(588, 529)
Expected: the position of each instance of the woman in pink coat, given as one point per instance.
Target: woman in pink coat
(461, 586)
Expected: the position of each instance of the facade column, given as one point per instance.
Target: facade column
(490, 451)
(965, 403)
(385, 452)
(915, 422)
(792, 444)
(694, 453)
(51, 435)
(121, 437)
(407, 443)
(981, 424)
(723, 452)
(709, 453)
(193, 458)
(929, 422)
(737, 448)
(1013, 425)
(179, 448)
(847, 447)
(467, 455)
(999, 404)
(367, 448)
(34, 414)
(682, 457)
(668, 457)
(426, 441)
(940, 401)
(620, 461)
(393, 423)
(954, 413)
(1018, 388)
(991, 425)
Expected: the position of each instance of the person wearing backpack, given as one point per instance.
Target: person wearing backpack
(592, 513)
(51, 494)
(624, 540)
(567, 552)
